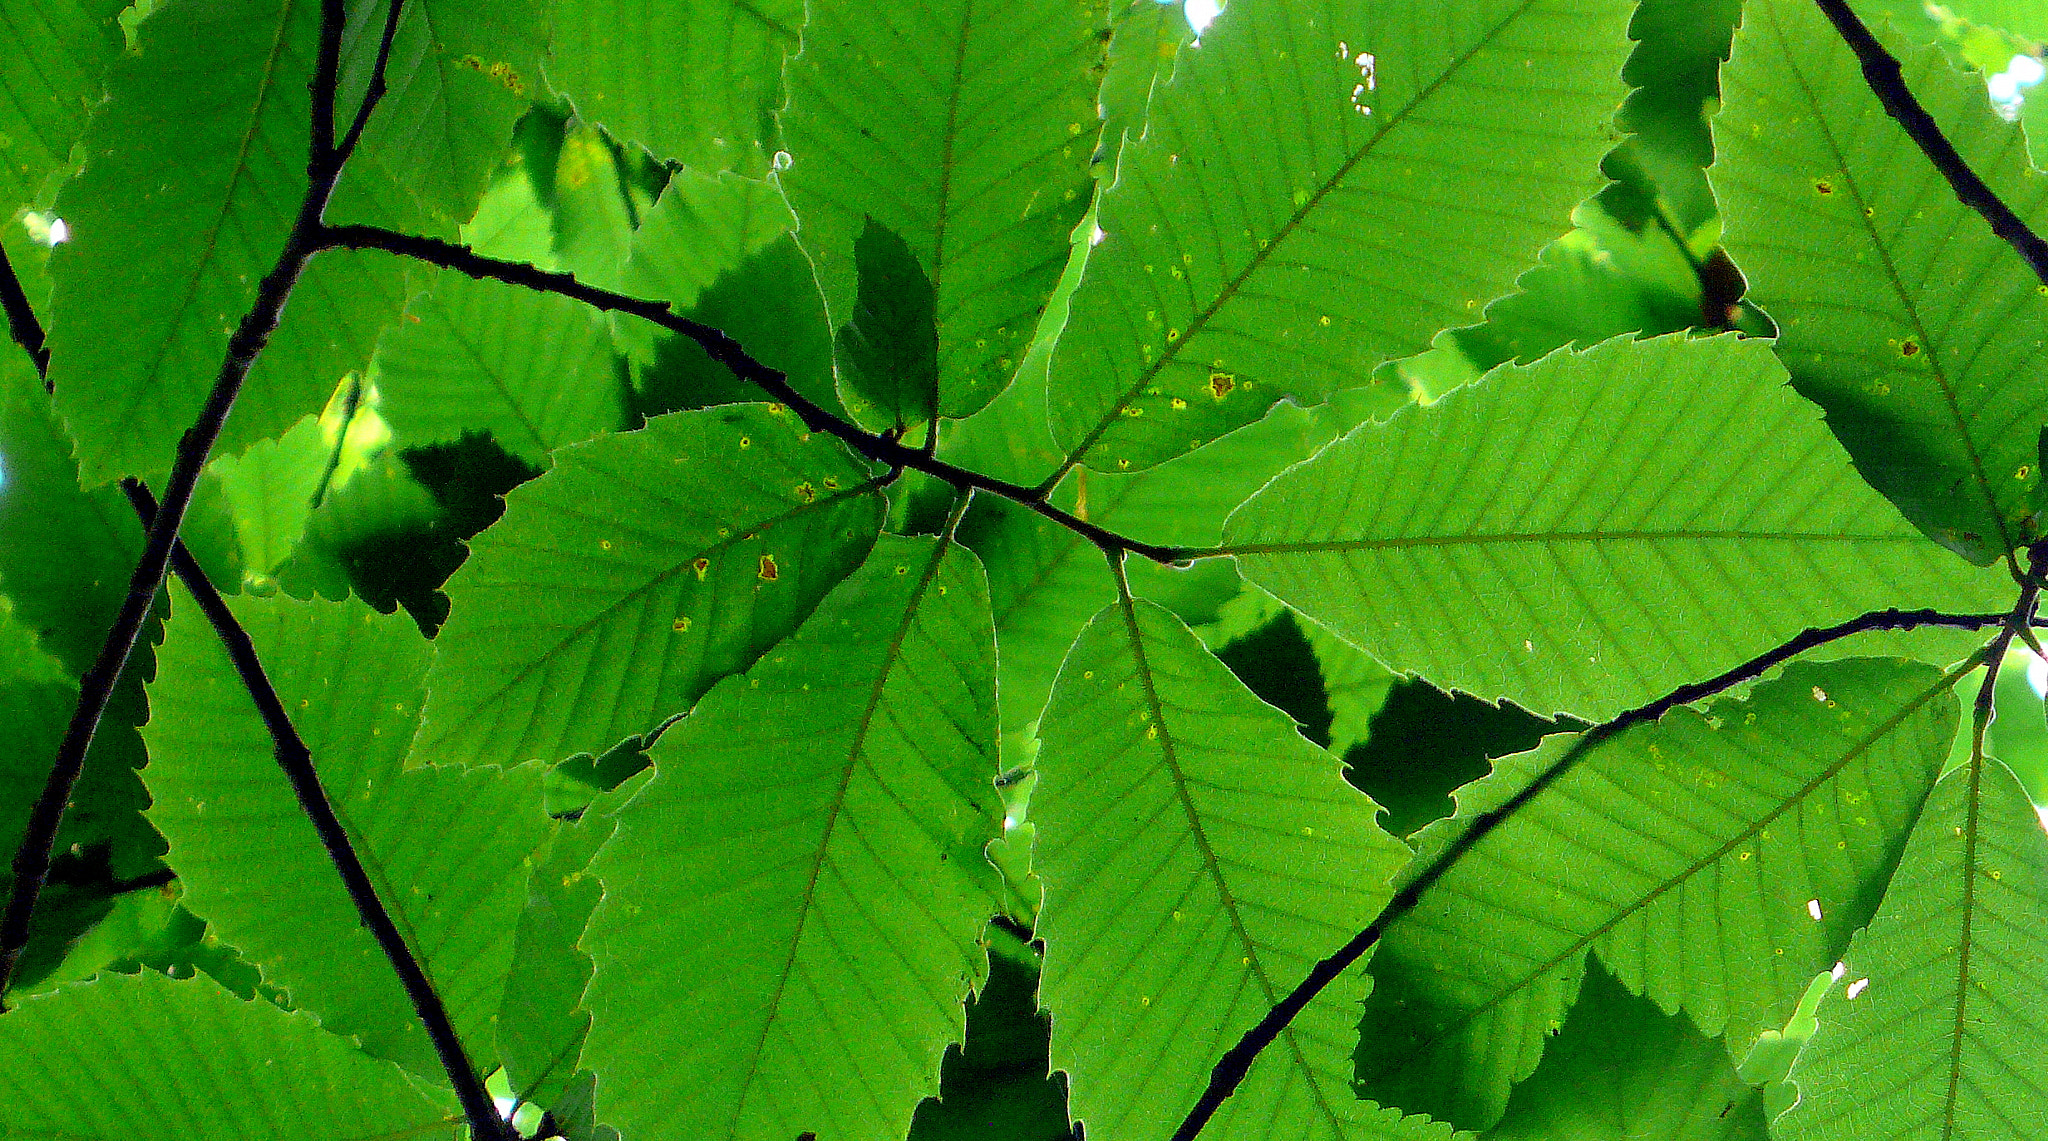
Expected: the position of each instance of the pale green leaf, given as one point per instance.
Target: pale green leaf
(641, 569)
(57, 53)
(965, 130)
(533, 369)
(701, 227)
(1622, 1070)
(448, 848)
(690, 80)
(270, 490)
(1937, 1030)
(792, 903)
(1198, 857)
(1146, 39)
(1588, 532)
(148, 1058)
(1899, 312)
(1320, 187)
(194, 168)
(1356, 686)
(2027, 19)
(1716, 861)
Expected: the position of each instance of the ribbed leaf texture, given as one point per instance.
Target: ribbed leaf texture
(690, 80)
(1935, 1031)
(1198, 857)
(58, 51)
(1716, 861)
(532, 369)
(1586, 533)
(1899, 311)
(194, 169)
(792, 905)
(965, 128)
(449, 849)
(157, 1059)
(270, 490)
(1321, 186)
(644, 567)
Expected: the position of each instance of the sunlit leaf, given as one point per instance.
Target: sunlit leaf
(50, 75)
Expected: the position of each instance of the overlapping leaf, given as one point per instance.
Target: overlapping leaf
(690, 81)
(1921, 333)
(1588, 532)
(964, 130)
(1199, 856)
(1936, 1033)
(449, 849)
(157, 1059)
(194, 169)
(1717, 861)
(533, 369)
(270, 490)
(641, 569)
(791, 905)
(1321, 187)
(58, 51)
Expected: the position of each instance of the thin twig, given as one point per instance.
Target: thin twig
(882, 448)
(1231, 1069)
(21, 316)
(375, 92)
(325, 84)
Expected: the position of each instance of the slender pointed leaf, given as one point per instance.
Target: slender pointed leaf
(1198, 857)
(1319, 188)
(1717, 861)
(964, 129)
(791, 905)
(448, 848)
(1586, 533)
(1937, 1029)
(641, 569)
(148, 1058)
(1899, 312)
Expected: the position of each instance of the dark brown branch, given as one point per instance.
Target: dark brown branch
(375, 92)
(21, 316)
(1887, 81)
(881, 448)
(1231, 1069)
(325, 85)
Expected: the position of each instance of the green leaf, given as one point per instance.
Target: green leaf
(149, 1058)
(695, 543)
(1899, 312)
(1198, 857)
(1146, 39)
(448, 848)
(963, 131)
(889, 347)
(1621, 521)
(1356, 685)
(461, 74)
(1717, 861)
(58, 51)
(1270, 234)
(1622, 1070)
(783, 955)
(2024, 18)
(195, 166)
(691, 81)
(701, 227)
(533, 369)
(1935, 1033)
(270, 489)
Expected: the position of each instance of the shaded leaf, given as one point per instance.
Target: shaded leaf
(889, 346)
(1621, 521)
(759, 934)
(58, 51)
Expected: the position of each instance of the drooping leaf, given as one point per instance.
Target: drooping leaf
(1933, 1034)
(1622, 1070)
(194, 169)
(641, 569)
(270, 490)
(691, 80)
(791, 905)
(1271, 234)
(963, 131)
(1198, 857)
(1899, 312)
(1716, 861)
(50, 76)
(533, 369)
(1620, 521)
(158, 1059)
(461, 73)
(448, 848)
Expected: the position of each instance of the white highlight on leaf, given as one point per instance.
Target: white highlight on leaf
(1856, 988)
(1201, 13)
(1813, 909)
(1841, 969)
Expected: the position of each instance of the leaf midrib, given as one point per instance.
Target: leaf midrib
(1674, 535)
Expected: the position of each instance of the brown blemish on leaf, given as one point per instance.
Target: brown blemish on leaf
(1909, 348)
(680, 625)
(1220, 384)
(700, 564)
(806, 492)
(769, 571)
(1823, 186)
